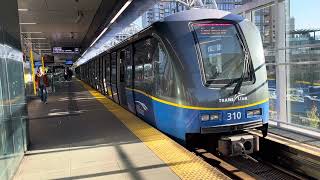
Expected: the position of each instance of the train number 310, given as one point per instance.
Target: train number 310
(234, 115)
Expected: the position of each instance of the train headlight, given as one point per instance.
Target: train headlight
(205, 117)
(254, 112)
(214, 117)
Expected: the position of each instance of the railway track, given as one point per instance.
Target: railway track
(241, 168)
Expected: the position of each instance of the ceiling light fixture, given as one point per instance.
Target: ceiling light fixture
(28, 23)
(23, 9)
(79, 17)
(112, 21)
(35, 38)
(43, 49)
(31, 32)
(121, 11)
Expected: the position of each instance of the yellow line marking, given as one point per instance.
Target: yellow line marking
(308, 83)
(181, 161)
(196, 107)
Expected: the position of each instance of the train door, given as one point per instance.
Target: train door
(121, 81)
(143, 79)
(104, 85)
(114, 77)
(108, 77)
(129, 79)
(100, 75)
(91, 67)
(95, 73)
(96, 62)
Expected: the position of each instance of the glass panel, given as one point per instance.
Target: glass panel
(221, 51)
(303, 95)
(139, 57)
(303, 52)
(129, 71)
(12, 110)
(114, 68)
(271, 70)
(264, 19)
(165, 76)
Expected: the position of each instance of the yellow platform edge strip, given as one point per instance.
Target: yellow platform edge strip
(182, 162)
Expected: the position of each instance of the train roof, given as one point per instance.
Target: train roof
(202, 14)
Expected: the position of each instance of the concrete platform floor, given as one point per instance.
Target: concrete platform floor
(76, 137)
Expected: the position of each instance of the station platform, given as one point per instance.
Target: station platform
(80, 134)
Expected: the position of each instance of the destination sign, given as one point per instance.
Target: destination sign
(67, 50)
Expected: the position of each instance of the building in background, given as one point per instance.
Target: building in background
(229, 5)
(163, 9)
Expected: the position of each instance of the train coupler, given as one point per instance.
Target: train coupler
(238, 145)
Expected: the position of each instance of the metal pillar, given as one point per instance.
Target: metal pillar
(32, 72)
(281, 71)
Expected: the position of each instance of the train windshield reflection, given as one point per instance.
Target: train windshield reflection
(221, 51)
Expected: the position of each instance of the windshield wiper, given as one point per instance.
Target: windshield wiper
(244, 73)
(246, 65)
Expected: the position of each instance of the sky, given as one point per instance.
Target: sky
(306, 13)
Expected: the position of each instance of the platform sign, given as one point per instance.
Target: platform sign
(69, 62)
(65, 50)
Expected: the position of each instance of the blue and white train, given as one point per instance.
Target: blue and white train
(200, 71)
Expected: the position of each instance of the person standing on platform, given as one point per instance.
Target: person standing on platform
(70, 74)
(65, 75)
(42, 84)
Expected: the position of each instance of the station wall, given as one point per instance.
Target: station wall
(13, 111)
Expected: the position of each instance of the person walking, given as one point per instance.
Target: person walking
(65, 74)
(70, 74)
(42, 84)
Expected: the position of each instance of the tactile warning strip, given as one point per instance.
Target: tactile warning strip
(181, 161)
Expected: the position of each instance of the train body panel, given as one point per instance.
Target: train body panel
(195, 72)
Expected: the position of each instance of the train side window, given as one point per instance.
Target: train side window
(165, 83)
(108, 68)
(100, 70)
(149, 51)
(122, 64)
(128, 68)
(139, 55)
(114, 68)
(143, 56)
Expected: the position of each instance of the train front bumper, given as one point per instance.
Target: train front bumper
(232, 127)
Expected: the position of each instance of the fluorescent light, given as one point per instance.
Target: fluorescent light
(31, 32)
(27, 23)
(39, 43)
(112, 21)
(43, 49)
(23, 9)
(105, 29)
(84, 52)
(121, 11)
(35, 38)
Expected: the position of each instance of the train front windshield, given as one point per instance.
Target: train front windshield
(221, 52)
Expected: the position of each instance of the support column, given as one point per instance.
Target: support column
(32, 72)
(281, 73)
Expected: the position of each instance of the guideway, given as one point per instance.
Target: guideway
(81, 134)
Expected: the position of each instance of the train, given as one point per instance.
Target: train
(196, 72)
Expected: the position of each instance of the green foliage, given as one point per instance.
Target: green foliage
(313, 115)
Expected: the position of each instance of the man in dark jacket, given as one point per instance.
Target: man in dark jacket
(42, 83)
